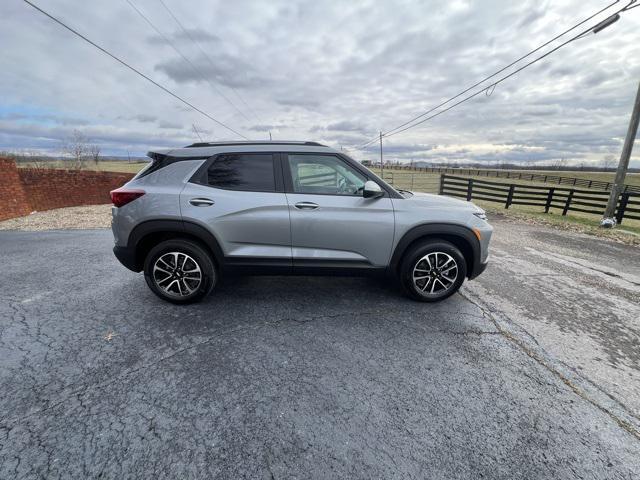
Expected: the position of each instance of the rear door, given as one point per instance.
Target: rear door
(240, 198)
(332, 224)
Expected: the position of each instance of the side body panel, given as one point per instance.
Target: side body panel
(161, 200)
(246, 224)
(433, 215)
(342, 229)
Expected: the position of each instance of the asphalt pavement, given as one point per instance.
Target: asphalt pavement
(299, 377)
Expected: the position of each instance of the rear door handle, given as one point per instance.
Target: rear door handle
(306, 205)
(201, 202)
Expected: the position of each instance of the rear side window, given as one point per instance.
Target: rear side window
(252, 172)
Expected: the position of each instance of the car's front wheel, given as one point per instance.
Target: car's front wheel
(433, 271)
(179, 271)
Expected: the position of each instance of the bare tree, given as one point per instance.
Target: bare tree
(560, 164)
(94, 152)
(607, 162)
(77, 149)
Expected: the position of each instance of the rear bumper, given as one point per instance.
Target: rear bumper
(127, 257)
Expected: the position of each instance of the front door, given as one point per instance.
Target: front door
(332, 224)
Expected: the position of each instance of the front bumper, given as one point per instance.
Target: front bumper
(478, 268)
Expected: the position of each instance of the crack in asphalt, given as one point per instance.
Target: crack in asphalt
(635, 432)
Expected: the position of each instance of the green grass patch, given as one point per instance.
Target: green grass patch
(105, 166)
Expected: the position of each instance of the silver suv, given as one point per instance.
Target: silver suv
(282, 208)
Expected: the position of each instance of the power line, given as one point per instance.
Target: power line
(191, 64)
(133, 69)
(196, 131)
(204, 52)
(491, 86)
(505, 67)
(409, 124)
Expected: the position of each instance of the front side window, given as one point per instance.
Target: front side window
(243, 171)
(324, 174)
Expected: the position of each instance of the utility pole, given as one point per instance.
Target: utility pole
(381, 161)
(621, 172)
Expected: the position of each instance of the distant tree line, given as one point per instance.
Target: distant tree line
(608, 164)
(75, 152)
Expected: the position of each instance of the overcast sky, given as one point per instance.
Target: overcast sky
(331, 71)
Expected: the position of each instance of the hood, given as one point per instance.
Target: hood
(440, 201)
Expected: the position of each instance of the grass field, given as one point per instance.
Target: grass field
(429, 183)
(106, 166)
(404, 178)
(632, 178)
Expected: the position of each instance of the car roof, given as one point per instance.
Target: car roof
(209, 149)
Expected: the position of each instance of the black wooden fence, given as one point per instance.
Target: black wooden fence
(566, 199)
(520, 175)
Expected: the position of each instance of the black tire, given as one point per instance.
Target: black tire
(188, 254)
(437, 277)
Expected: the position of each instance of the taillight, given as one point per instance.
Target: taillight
(121, 196)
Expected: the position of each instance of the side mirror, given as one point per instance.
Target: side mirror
(372, 190)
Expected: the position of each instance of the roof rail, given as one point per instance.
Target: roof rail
(226, 144)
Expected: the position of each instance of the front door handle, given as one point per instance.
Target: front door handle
(201, 202)
(306, 205)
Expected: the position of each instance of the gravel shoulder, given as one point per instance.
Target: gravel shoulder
(70, 218)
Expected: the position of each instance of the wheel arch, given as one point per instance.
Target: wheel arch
(462, 237)
(148, 234)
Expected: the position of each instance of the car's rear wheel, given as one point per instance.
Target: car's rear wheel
(179, 271)
(432, 271)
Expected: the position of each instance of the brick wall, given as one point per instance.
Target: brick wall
(24, 190)
(13, 199)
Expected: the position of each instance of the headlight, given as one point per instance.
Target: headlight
(481, 215)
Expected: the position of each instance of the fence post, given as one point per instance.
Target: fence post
(622, 206)
(469, 189)
(510, 196)
(412, 175)
(568, 203)
(547, 206)
(441, 184)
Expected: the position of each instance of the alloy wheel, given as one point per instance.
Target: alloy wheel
(177, 274)
(435, 273)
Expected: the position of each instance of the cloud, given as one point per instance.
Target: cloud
(219, 68)
(340, 80)
(169, 125)
(144, 118)
(186, 36)
(266, 128)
